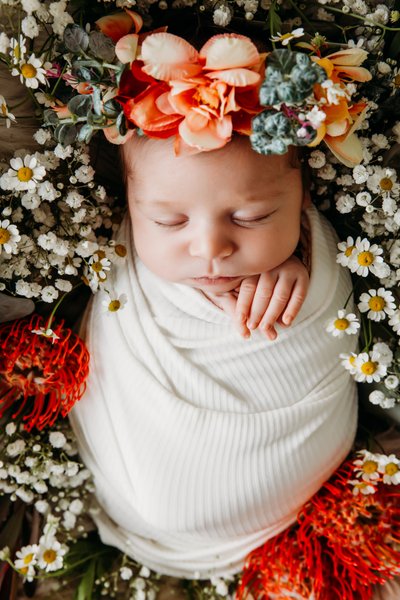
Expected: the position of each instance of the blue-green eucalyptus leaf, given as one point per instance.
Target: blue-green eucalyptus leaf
(75, 38)
(101, 46)
(80, 105)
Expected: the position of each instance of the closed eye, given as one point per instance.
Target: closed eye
(256, 220)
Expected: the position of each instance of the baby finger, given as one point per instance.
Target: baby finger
(262, 298)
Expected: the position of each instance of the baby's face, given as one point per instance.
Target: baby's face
(209, 220)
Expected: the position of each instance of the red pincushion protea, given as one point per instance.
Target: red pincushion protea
(42, 375)
(339, 548)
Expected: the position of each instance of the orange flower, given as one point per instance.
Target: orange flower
(204, 95)
(342, 119)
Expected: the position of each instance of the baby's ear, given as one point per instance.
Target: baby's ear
(306, 199)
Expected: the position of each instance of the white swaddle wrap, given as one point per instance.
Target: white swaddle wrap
(204, 444)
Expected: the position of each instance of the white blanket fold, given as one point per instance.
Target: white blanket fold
(204, 444)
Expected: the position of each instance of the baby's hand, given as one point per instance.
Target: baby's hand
(272, 297)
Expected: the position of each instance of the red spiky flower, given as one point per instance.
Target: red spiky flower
(42, 374)
(340, 547)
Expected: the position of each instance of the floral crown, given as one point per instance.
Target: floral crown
(163, 87)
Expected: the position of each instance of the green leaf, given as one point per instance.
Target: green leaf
(85, 133)
(85, 588)
(65, 133)
(96, 97)
(80, 105)
(12, 529)
(50, 117)
(75, 38)
(101, 46)
(394, 48)
(275, 22)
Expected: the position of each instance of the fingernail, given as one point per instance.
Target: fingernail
(251, 325)
(287, 320)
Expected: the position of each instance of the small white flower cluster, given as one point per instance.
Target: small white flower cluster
(43, 470)
(130, 578)
(372, 469)
(50, 213)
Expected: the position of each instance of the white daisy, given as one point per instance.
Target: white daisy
(46, 332)
(286, 37)
(346, 250)
(378, 303)
(343, 324)
(114, 303)
(5, 113)
(9, 237)
(17, 49)
(368, 368)
(25, 174)
(51, 554)
(362, 487)
(31, 72)
(383, 181)
(99, 264)
(26, 559)
(390, 468)
(365, 258)
(367, 466)
(348, 362)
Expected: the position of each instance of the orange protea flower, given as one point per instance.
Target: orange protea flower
(202, 97)
(42, 374)
(340, 547)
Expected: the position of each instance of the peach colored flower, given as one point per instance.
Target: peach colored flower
(342, 118)
(120, 24)
(201, 96)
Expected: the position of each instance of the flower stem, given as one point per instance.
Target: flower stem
(53, 312)
(360, 18)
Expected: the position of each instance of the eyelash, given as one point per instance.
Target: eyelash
(259, 219)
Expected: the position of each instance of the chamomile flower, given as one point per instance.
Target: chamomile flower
(46, 332)
(362, 487)
(377, 304)
(99, 265)
(17, 49)
(24, 174)
(31, 72)
(5, 113)
(343, 324)
(51, 552)
(9, 237)
(390, 468)
(367, 466)
(365, 258)
(383, 181)
(26, 559)
(114, 303)
(346, 250)
(368, 367)
(348, 362)
(285, 38)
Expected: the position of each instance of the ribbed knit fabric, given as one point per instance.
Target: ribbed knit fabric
(204, 444)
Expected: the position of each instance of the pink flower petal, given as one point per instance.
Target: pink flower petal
(163, 104)
(354, 73)
(167, 56)
(229, 51)
(237, 77)
(210, 138)
(126, 48)
(196, 121)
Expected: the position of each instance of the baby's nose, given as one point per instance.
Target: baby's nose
(210, 244)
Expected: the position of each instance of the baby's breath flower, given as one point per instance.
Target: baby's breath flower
(57, 439)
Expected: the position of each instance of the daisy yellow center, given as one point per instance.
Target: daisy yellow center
(120, 250)
(100, 254)
(28, 558)
(114, 305)
(49, 555)
(376, 303)
(370, 466)
(23, 570)
(365, 258)
(4, 109)
(351, 360)
(4, 236)
(17, 51)
(391, 469)
(24, 174)
(286, 36)
(97, 267)
(369, 367)
(341, 324)
(349, 250)
(397, 80)
(28, 71)
(386, 184)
